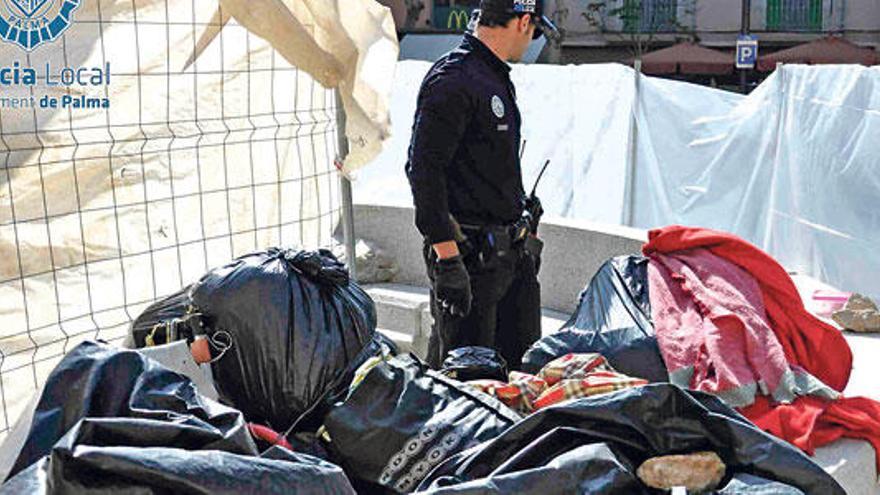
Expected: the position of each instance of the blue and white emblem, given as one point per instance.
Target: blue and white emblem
(497, 106)
(30, 23)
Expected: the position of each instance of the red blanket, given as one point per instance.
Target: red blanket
(807, 342)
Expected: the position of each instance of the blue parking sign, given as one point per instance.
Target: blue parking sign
(746, 51)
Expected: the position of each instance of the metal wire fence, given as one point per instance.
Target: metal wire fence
(105, 210)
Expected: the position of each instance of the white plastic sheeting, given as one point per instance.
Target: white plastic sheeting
(793, 167)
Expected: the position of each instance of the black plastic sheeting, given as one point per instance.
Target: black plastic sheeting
(594, 446)
(295, 322)
(613, 318)
(474, 363)
(114, 421)
(403, 419)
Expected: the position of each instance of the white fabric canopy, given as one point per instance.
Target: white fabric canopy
(346, 44)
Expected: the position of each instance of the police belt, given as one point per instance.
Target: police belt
(498, 237)
(489, 240)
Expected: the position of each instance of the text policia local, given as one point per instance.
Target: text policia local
(47, 77)
(16, 75)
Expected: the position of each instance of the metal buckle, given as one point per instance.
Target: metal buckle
(170, 328)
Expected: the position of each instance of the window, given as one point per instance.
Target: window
(794, 15)
(649, 15)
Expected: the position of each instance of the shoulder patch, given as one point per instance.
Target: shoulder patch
(497, 106)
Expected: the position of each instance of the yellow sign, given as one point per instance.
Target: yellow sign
(461, 18)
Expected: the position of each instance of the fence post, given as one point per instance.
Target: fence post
(629, 199)
(345, 189)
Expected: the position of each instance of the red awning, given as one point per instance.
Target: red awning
(829, 50)
(687, 58)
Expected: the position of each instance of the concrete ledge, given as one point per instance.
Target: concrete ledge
(573, 252)
(403, 314)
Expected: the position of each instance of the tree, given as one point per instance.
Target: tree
(639, 21)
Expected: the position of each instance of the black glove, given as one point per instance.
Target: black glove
(452, 286)
(535, 211)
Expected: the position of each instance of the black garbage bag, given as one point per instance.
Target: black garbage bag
(474, 363)
(165, 321)
(133, 427)
(295, 323)
(98, 381)
(403, 419)
(553, 451)
(613, 318)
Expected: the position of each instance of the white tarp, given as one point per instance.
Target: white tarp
(346, 44)
(792, 167)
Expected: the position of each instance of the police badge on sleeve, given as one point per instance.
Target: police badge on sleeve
(497, 106)
(31, 23)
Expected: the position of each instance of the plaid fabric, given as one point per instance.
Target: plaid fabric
(598, 382)
(519, 394)
(572, 366)
(569, 377)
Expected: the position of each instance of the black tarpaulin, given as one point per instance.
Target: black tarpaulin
(113, 421)
(594, 445)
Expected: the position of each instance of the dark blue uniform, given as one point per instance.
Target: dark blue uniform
(464, 161)
(464, 154)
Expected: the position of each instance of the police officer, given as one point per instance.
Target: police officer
(480, 229)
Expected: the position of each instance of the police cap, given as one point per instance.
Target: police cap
(519, 7)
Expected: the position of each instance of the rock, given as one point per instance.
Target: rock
(700, 472)
(858, 302)
(859, 315)
(373, 265)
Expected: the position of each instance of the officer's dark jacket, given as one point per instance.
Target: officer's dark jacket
(463, 156)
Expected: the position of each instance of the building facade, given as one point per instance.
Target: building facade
(603, 31)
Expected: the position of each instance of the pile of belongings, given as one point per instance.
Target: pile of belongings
(406, 428)
(114, 420)
(708, 311)
(293, 349)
